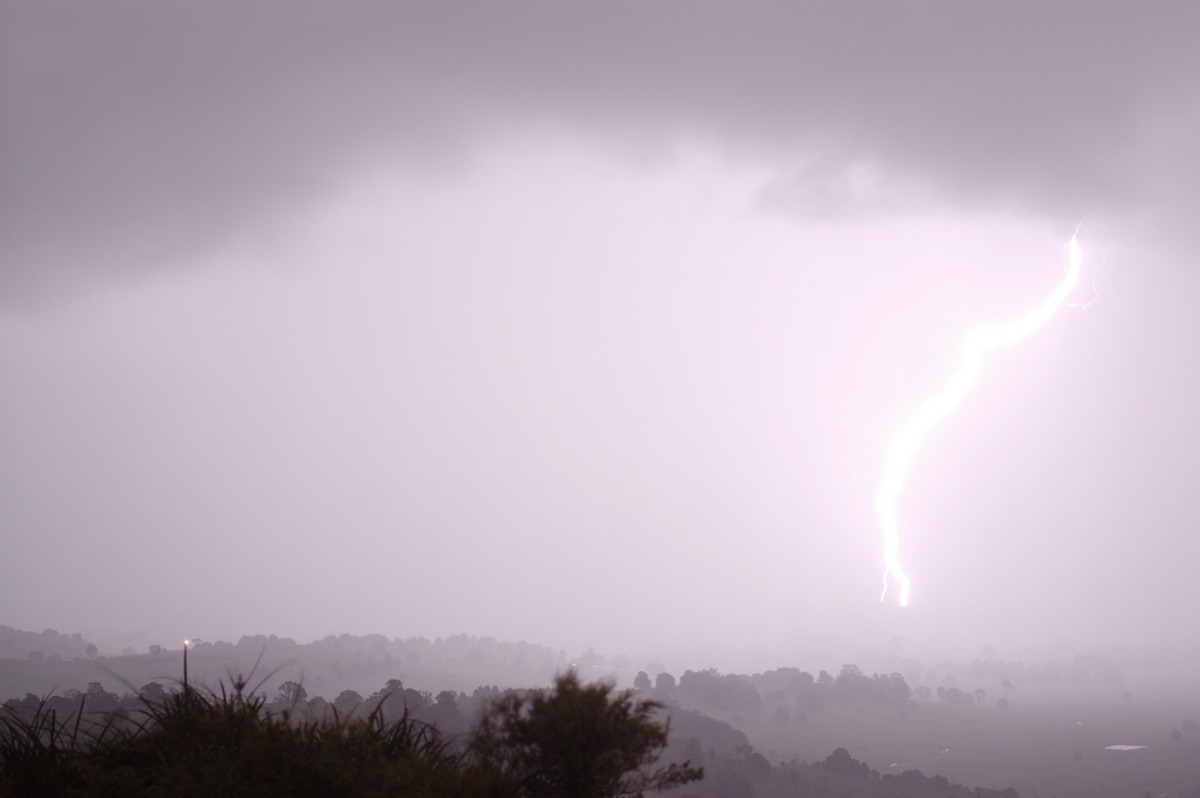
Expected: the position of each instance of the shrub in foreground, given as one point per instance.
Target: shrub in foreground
(197, 744)
(574, 740)
(578, 740)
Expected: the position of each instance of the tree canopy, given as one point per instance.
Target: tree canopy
(582, 740)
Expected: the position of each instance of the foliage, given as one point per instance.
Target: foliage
(347, 700)
(712, 736)
(196, 744)
(840, 761)
(291, 692)
(40, 749)
(579, 740)
(728, 692)
(20, 644)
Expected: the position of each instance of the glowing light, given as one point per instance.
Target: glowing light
(978, 343)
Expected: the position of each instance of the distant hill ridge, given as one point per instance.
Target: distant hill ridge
(48, 644)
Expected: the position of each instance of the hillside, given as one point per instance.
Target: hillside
(330, 665)
(1040, 742)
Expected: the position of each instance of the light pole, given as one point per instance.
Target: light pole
(186, 643)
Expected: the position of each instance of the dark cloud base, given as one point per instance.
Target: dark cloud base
(136, 133)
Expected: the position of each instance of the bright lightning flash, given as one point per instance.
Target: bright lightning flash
(979, 342)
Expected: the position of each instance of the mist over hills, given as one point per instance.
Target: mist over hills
(987, 721)
(461, 661)
(507, 341)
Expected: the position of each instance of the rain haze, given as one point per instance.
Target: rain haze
(589, 324)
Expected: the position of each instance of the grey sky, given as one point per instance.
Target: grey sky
(589, 323)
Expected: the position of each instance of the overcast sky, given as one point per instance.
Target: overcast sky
(590, 323)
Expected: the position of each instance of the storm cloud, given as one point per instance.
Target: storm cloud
(136, 133)
(588, 322)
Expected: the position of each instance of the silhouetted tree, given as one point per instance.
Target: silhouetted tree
(153, 693)
(840, 761)
(578, 740)
(664, 684)
(291, 693)
(443, 713)
(98, 700)
(852, 684)
(347, 700)
(953, 695)
(895, 689)
(642, 681)
(756, 764)
(393, 700)
(729, 692)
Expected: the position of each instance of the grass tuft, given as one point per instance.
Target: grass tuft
(223, 742)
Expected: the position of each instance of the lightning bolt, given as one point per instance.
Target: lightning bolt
(977, 345)
(1095, 297)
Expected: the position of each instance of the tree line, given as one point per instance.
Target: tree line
(49, 644)
(574, 739)
(777, 688)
